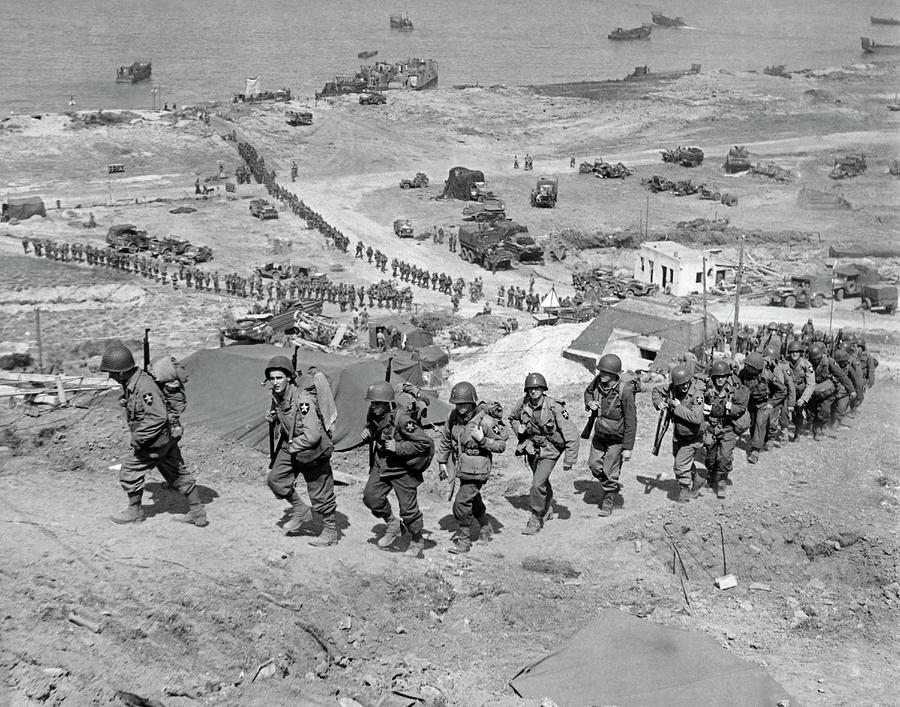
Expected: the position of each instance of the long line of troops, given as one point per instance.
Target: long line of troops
(769, 395)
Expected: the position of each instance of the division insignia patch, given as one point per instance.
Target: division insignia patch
(304, 408)
(496, 430)
(699, 400)
(410, 426)
(565, 414)
(147, 398)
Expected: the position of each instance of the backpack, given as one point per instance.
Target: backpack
(170, 377)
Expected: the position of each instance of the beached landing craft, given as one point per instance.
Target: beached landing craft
(138, 71)
(368, 54)
(870, 46)
(661, 20)
(642, 32)
(401, 22)
(884, 20)
(412, 74)
(643, 73)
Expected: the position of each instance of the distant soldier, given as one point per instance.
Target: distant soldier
(399, 452)
(360, 246)
(294, 170)
(470, 438)
(611, 405)
(303, 448)
(369, 254)
(25, 244)
(451, 242)
(152, 442)
(725, 410)
(544, 433)
(501, 293)
(804, 384)
(682, 398)
(844, 396)
(572, 162)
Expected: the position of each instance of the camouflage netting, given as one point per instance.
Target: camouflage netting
(459, 183)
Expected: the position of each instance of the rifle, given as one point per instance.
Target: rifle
(273, 450)
(662, 426)
(589, 425)
(146, 348)
(387, 379)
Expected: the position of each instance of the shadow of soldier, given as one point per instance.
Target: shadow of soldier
(165, 499)
(669, 486)
(522, 502)
(593, 493)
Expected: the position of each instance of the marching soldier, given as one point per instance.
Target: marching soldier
(470, 438)
(804, 384)
(763, 388)
(725, 409)
(829, 376)
(683, 398)
(400, 452)
(152, 442)
(545, 432)
(784, 393)
(843, 400)
(303, 448)
(611, 406)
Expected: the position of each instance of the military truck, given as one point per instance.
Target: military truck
(403, 228)
(466, 184)
(881, 296)
(545, 192)
(485, 211)
(849, 281)
(418, 182)
(127, 237)
(685, 156)
(262, 209)
(483, 246)
(524, 248)
(285, 271)
(803, 290)
(849, 165)
(168, 246)
(372, 99)
(298, 117)
(737, 160)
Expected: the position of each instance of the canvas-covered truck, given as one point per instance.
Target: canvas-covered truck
(484, 247)
(850, 165)
(127, 237)
(880, 296)
(545, 192)
(466, 184)
(802, 290)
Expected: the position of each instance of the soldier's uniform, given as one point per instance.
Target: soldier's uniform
(804, 385)
(830, 379)
(725, 423)
(686, 411)
(472, 460)
(548, 434)
(766, 393)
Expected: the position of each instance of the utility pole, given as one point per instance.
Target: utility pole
(737, 296)
(37, 326)
(831, 309)
(705, 334)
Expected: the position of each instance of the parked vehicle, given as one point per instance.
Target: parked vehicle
(262, 209)
(372, 99)
(880, 296)
(483, 246)
(403, 228)
(545, 192)
(485, 211)
(298, 117)
(803, 290)
(418, 182)
(127, 237)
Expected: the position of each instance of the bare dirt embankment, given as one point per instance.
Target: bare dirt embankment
(810, 531)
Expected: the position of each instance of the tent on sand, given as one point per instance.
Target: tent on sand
(225, 392)
(22, 208)
(619, 659)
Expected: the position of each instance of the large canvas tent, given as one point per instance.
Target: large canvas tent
(644, 333)
(225, 395)
(619, 659)
(20, 208)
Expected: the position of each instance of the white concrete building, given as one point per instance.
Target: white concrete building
(677, 269)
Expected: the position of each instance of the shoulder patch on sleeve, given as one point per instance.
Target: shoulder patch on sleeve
(304, 408)
(147, 398)
(495, 429)
(410, 426)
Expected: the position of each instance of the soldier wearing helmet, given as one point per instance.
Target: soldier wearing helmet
(772, 337)
(682, 397)
(784, 393)
(400, 451)
(610, 401)
(843, 401)
(804, 384)
(830, 378)
(725, 409)
(867, 362)
(152, 442)
(545, 432)
(303, 448)
(806, 333)
(757, 377)
(472, 435)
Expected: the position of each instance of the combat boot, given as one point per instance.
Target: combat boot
(329, 535)
(392, 533)
(416, 547)
(197, 513)
(462, 543)
(300, 513)
(486, 533)
(607, 505)
(533, 526)
(686, 494)
(753, 456)
(720, 489)
(134, 513)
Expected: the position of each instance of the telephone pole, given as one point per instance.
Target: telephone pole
(737, 296)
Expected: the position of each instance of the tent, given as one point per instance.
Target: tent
(24, 207)
(550, 299)
(459, 183)
(652, 334)
(411, 336)
(619, 659)
(225, 393)
(432, 357)
(251, 87)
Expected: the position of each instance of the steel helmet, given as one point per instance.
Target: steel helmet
(772, 325)
(795, 346)
(681, 375)
(841, 356)
(281, 363)
(771, 352)
(463, 392)
(816, 350)
(610, 363)
(535, 380)
(861, 342)
(755, 360)
(720, 367)
(381, 392)
(117, 359)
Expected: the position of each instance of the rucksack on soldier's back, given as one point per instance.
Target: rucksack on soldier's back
(171, 376)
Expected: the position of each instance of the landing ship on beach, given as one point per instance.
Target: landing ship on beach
(412, 75)
(872, 47)
(138, 71)
(642, 32)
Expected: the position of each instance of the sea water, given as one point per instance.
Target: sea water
(58, 52)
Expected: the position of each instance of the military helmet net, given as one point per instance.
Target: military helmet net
(117, 359)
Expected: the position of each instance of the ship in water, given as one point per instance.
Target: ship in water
(368, 54)
(642, 32)
(662, 21)
(412, 75)
(643, 73)
(401, 22)
(138, 71)
(870, 46)
(884, 20)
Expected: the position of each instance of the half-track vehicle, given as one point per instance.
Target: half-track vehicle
(485, 211)
(849, 165)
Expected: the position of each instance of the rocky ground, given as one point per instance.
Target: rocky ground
(240, 614)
